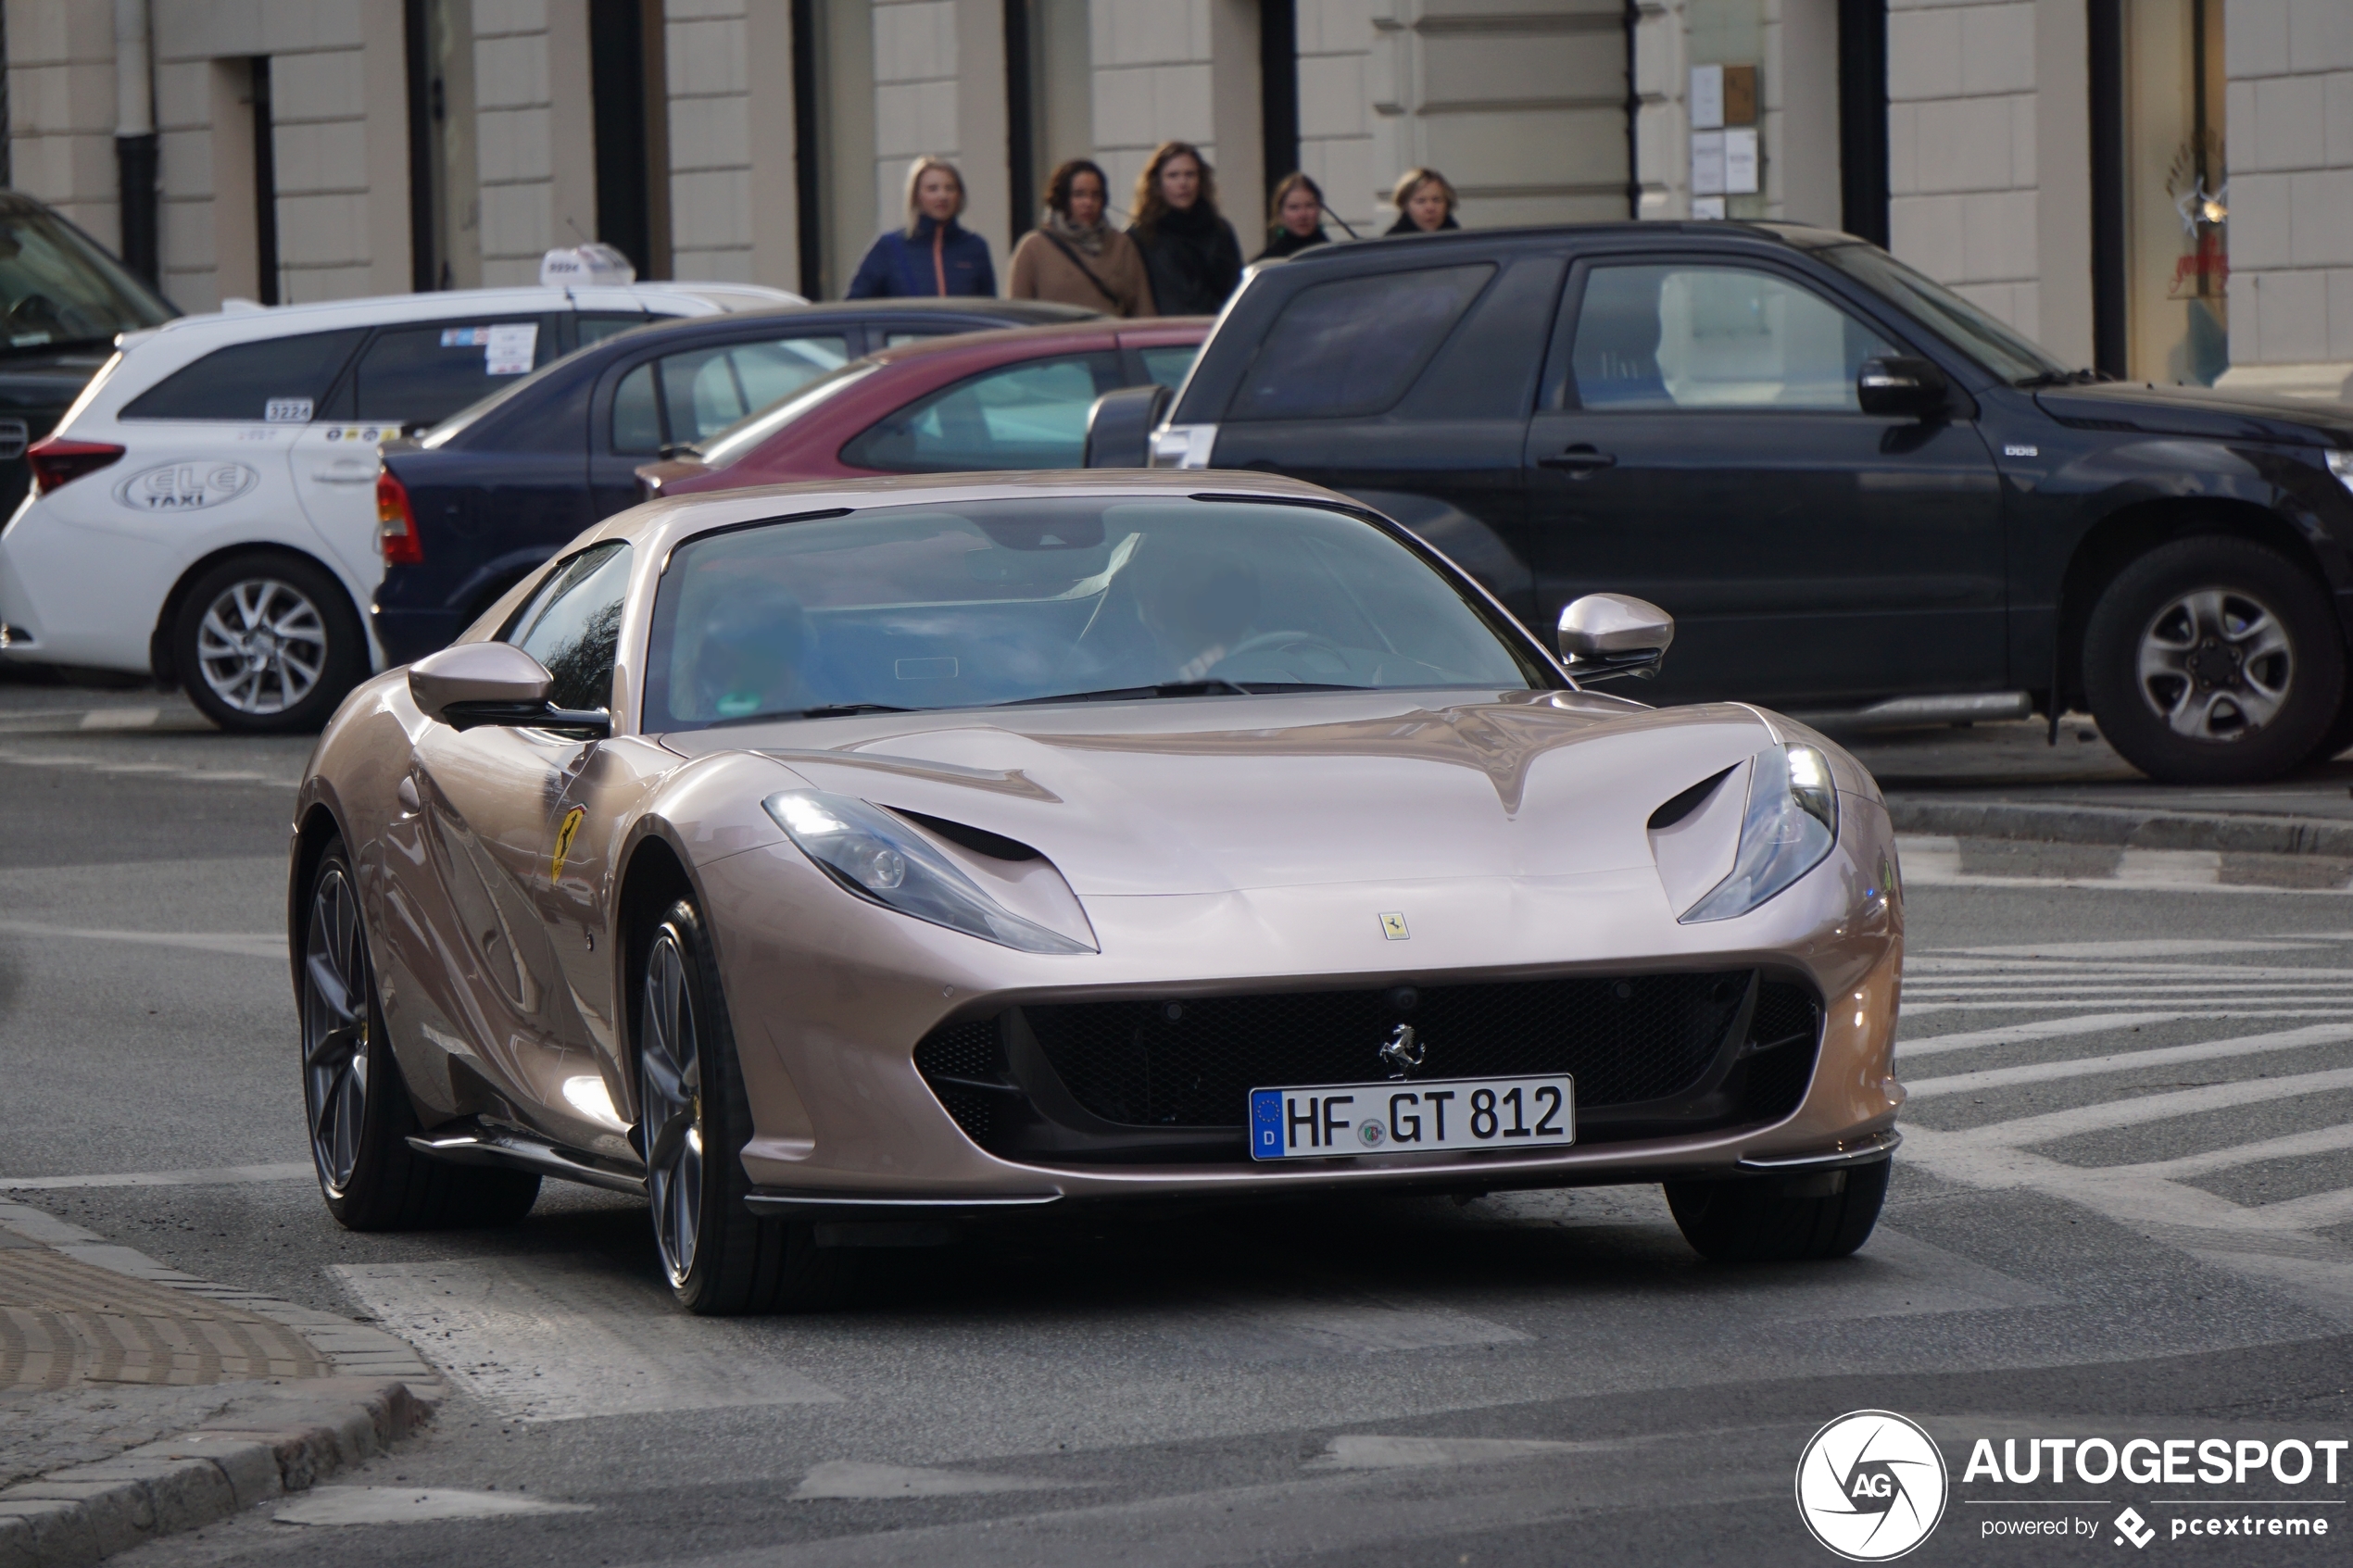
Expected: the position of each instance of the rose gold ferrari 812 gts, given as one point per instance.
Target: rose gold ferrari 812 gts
(929, 849)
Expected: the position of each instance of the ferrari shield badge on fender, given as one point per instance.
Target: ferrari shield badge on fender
(1392, 926)
(563, 842)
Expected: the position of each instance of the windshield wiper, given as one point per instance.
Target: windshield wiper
(1181, 688)
(2085, 377)
(824, 710)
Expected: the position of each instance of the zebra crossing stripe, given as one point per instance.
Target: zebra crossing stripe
(2043, 1029)
(2109, 1114)
(2126, 1061)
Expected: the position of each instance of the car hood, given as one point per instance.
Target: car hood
(2198, 411)
(1229, 794)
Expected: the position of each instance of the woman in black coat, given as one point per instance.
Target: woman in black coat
(1426, 202)
(1190, 252)
(1297, 207)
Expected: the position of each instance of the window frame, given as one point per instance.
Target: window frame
(511, 631)
(1498, 263)
(342, 402)
(601, 443)
(1556, 384)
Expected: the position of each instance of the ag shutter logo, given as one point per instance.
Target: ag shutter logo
(185, 486)
(1872, 1486)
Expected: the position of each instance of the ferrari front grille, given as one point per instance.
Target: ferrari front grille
(1654, 1041)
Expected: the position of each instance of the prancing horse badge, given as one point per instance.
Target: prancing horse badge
(563, 842)
(1393, 927)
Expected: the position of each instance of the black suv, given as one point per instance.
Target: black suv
(1852, 488)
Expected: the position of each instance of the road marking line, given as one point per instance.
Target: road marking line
(241, 944)
(2051, 1126)
(2285, 1007)
(2041, 1029)
(121, 719)
(2147, 948)
(2320, 1140)
(848, 1478)
(2126, 1061)
(218, 1175)
(411, 1505)
(1360, 1451)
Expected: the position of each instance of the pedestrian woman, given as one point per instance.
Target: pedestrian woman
(1297, 208)
(934, 254)
(1189, 251)
(1426, 202)
(1073, 258)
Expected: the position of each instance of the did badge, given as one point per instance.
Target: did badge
(1872, 1486)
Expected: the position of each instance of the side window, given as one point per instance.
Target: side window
(636, 425)
(1352, 346)
(706, 390)
(572, 624)
(1167, 367)
(1692, 336)
(1030, 415)
(770, 372)
(897, 337)
(428, 372)
(281, 379)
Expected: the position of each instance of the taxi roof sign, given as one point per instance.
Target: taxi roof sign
(595, 262)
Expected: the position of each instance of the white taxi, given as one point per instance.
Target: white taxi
(206, 510)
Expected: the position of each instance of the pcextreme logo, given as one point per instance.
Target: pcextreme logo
(1872, 1486)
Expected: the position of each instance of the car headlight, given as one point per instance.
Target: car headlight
(2341, 465)
(880, 858)
(1788, 827)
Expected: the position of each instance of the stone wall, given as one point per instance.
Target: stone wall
(2290, 119)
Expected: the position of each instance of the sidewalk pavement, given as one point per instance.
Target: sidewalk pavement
(2006, 780)
(136, 1400)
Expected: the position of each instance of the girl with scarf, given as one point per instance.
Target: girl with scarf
(1190, 252)
(1073, 258)
(934, 256)
(1297, 207)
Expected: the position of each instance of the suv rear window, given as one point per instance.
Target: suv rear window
(1352, 346)
(242, 381)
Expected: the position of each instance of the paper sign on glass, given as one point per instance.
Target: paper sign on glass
(1707, 98)
(512, 348)
(1740, 162)
(1707, 163)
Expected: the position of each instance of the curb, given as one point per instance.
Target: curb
(79, 1515)
(2122, 826)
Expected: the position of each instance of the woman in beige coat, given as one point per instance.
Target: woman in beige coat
(1075, 257)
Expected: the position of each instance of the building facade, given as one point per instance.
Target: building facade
(2163, 188)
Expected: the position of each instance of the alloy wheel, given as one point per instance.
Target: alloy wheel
(670, 1072)
(334, 1029)
(261, 646)
(2215, 665)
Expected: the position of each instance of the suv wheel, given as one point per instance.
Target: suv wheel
(2213, 660)
(268, 645)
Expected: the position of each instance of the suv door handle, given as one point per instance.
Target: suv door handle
(1580, 459)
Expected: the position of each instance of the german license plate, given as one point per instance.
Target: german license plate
(1322, 1121)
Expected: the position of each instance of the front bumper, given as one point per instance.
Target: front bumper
(829, 1005)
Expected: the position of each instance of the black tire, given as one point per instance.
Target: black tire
(2261, 654)
(719, 1257)
(1780, 1219)
(306, 652)
(355, 1101)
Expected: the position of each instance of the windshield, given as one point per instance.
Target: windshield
(722, 447)
(2001, 349)
(58, 287)
(1060, 598)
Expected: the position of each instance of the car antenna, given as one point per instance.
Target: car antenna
(1338, 220)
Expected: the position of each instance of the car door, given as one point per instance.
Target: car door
(493, 810)
(1699, 444)
(416, 373)
(671, 400)
(1410, 390)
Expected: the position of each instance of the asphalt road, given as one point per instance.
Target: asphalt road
(2125, 1210)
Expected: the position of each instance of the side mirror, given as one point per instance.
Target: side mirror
(1120, 425)
(1900, 385)
(475, 684)
(1605, 635)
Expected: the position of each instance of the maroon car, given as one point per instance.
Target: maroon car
(1001, 400)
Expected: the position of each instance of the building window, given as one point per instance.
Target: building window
(265, 187)
(445, 205)
(630, 115)
(2160, 191)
